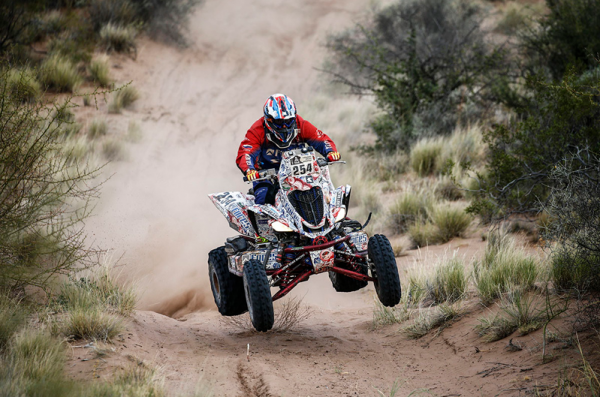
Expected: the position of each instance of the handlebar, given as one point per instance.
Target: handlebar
(270, 173)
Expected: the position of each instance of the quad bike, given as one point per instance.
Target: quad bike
(306, 232)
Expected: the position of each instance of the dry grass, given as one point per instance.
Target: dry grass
(123, 98)
(118, 38)
(288, 316)
(451, 220)
(59, 74)
(383, 315)
(424, 234)
(424, 156)
(429, 319)
(100, 71)
(97, 128)
(503, 268)
(23, 84)
(411, 207)
(114, 150)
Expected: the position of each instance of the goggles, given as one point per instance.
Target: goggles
(288, 123)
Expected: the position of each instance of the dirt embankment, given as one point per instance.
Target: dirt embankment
(196, 105)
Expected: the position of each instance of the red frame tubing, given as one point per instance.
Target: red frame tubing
(351, 274)
(306, 248)
(283, 292)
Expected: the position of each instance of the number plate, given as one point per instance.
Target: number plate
(302, 165)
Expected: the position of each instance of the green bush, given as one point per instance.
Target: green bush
(569, 35)
(40, 232)
(523, 154)
(59, 74)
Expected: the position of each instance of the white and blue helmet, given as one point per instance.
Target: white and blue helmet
(280, 120)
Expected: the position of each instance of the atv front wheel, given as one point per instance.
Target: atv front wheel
(227, 288)
(384, 271)
(258, 295)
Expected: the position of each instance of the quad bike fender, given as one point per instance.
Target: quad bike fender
(233, 206)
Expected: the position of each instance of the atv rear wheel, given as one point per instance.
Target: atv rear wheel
(227, 288)
(343, 283)
(384, 270)
(258, 295)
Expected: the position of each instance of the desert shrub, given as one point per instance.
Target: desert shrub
(408, 209)
(573, 206)
(425, 61)
(59, 74)
(39, 192)
(569, 35)
(523, 154)
(124, 97)
(424, 156)
(99, 71)
(503, 268)
(118, 38)
(23, 84)
(451, 220)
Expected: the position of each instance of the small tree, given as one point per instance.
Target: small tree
(426, 62)
(44, 194)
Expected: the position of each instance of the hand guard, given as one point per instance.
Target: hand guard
(252, 175)
(333, 156)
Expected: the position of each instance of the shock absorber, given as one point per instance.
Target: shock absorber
(285, 277)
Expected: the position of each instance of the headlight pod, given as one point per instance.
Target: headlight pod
(341, 215)
(280, 227)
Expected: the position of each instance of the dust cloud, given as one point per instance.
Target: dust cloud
(195, 108)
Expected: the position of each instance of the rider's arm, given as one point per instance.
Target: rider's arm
(250, 147)
(315, 137)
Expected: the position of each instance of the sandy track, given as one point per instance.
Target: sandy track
(196, 107)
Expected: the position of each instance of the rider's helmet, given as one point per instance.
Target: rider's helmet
(280, 120)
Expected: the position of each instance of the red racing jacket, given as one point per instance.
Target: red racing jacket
(256, 152)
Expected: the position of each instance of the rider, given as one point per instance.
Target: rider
(279, 129)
